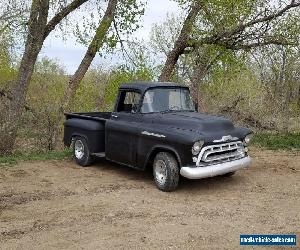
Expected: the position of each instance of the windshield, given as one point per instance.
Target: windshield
(167, 99)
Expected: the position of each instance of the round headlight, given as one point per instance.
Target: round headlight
(248, 138)
(197, 147)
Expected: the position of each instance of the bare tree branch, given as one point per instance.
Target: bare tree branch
(232, 38)
(228, 34)
(123, 49)
(267, 18)
(182, 42)
(61, 15)
(241, 46)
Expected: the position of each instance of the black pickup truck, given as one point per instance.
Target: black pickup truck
(156, 124)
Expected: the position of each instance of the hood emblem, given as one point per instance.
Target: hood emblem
(226, 138)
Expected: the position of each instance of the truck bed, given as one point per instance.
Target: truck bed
(90, 126)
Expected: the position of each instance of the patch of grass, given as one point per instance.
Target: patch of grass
(290, 141)
(13, 159)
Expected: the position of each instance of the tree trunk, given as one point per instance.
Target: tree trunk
(180, 44)
(298, 99)
(101, 97)
(286, 108)
(93, 48)
(281, 77)
(202, 67)
(197, 78)
(38, 30)
(34, 42)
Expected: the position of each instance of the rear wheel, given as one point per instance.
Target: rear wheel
(81, 152)
(165, 171)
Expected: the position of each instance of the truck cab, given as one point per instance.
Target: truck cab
(155, 124)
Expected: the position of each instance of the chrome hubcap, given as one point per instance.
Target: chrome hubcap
(160, 171)
(79, 149)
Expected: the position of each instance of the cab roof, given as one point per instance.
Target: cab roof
(143, 86)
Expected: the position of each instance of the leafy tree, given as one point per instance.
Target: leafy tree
(123, 15)
(38, 29)
(13, 15)
(234, 25)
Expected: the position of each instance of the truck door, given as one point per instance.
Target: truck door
(123, 129)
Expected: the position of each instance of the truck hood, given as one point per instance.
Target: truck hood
(196, 121)
(207, 126)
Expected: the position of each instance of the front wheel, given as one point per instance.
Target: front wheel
(165, 171)
(81, 152)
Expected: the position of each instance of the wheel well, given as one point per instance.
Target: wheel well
(158, 150)
(78, 135)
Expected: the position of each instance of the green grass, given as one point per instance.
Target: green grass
(289, 141)
(13, 159)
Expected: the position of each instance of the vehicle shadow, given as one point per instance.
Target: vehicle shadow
(185, 185)
(122, 170)
(212, 183)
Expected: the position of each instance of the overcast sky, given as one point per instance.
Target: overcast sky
(69, 53)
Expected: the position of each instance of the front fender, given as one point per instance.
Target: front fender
(161, 148)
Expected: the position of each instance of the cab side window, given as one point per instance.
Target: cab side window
(128, 101)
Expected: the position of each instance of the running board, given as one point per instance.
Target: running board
(100, 155)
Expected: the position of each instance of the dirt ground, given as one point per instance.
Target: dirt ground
(59, 205)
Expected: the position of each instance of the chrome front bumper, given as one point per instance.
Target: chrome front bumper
(214, 170)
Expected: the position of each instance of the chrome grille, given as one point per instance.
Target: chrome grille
(219, 153)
